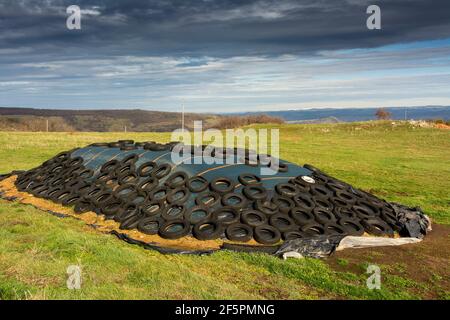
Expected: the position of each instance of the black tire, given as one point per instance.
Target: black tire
(352, 227)
(177, 179)
(128, 147)
(304, 200)
(140, 198)
(192, 214)
(311, 167)
(173, 197)
(74, 162)
(98, 144)
(139, 144)
(320, 191)
(216, 185)
(128, 178)
(197, 184)
(125, 169)
(111, 209)
(207, 230)
(324, 204)
(147, 168)
(131, 158)
(51, 193)
(286, 190)
(365, 210)
(149, 145)
(226, 215)
(267, 207)
(209, 199)
(125, 191)
(345, 213)
(389, 216)
(166, 230)
(101, 199)
(337, 186)
(228, 200)
(282, 222)
(284, 204)
(148, 184)
(153, 208)
(239, 232)
(323, 216)
(173, 212)
(255, 192)
(71, 199)
(110, 166)
(159, 194)
(157, 147)
(334, 229)
(293, 234)
(62, 157)
(313, 229)
(162, 170)
(377, 227)
(125, 141)
(339, 203)
(114, 145)
(249, 179)
(82, 206)
(301, 216)
(301, 185)
(150, 225)
(283, 167)
(345, 197)
(103, 177)
(85, 173)
(321, 178)
(266, 234)
(253, 218)
(128, 210)
(130, 223)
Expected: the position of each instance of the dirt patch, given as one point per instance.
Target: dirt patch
(13, 223)
(426, 263)
(442, 126)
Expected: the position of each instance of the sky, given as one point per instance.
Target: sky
(224, 56)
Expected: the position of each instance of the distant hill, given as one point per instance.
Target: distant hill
(316, 121)
(27, 119)
(354, 114)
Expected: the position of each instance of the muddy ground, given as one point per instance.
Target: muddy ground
(425, 264)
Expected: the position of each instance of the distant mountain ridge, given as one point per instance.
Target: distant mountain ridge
(359, 114)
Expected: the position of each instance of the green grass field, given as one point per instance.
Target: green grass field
(397, 162)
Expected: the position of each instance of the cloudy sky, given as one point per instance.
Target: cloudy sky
(224, 56)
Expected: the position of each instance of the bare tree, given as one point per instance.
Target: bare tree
(383, 114)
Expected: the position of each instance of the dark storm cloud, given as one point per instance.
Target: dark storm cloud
(213, 28)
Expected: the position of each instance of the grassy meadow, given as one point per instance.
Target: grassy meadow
(398, 162)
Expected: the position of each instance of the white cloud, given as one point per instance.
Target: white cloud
(353, 78)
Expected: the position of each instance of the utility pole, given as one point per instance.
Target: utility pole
(46, 125)
(125, 129)
(406, 110)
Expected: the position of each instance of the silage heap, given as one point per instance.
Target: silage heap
(137, 192)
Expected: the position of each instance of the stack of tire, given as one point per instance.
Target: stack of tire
(155, 199)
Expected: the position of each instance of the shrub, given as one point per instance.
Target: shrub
(227, 122)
